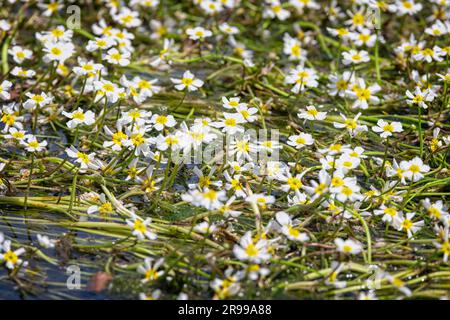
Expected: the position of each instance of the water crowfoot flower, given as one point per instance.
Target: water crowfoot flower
(79, 117)
(141, 228)
(10, 257)
(188, 81)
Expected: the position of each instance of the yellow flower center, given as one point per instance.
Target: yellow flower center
(356, 57)
(407, 224)
(187, 81)
(57, 33)
(296, 50)
(346, 248)
(390, 211)
(347, 191)
(137, 139)
(414, 168)
(139, 226)
(78, 115)
(294, 183)
(8, 119)
(388, 128)
(230, 122)
(38, 98)
(435, 212)
(149, 185)
(118, 137)
(204, 181)
(293, 232)
(210, 195)
(161, 120)
(337, 182)
(363, 94)
(151, 274)
(33, 144)
(105, 208)
(358, 19)
(56, 51)
(83, 157)
(11, 257)
(251, 250)
(341, 85)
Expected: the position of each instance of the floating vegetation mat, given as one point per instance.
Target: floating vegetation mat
(207, 149)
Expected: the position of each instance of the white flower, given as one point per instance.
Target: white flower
(292, 47)
(348, 246)
(50, 8)
(187, 81)
(260, 199)
(150, 269)
(250, 250)
(364, 38)
(226, 28)
(107, 89)
(311, 113)
(406, 224)
(10, 257)
(87, 68)
(103, 43)
(14, 133)
(414, 169)
(154, 295)
(289, 229)
(205, 228)
(232, 103)
(231, 123)
(58, 51)
(318, 188)
(302, 78)
(345, 188)
(114, 56)
(198, 33)
(34, 100)
(105, 207)
(436, 210)
(83, 159)
(227, 211)
(32, 144)
(389, 213)
(355, 57)
(140, 89)
(352, 125)
(5, 86)
(402, 7)
(386, 129)
(137, 117)
(420, 98)
(137, 141)
(22, 73)
(4, 25)
(274, 9)
(208, 198)
(45, 241)
(161, 121)
(19, 54)
(79, 117)
(58, 34)
(340, 84)
(128, 18)
(302, 4)
(364, 94)
(300, 140)
(141, 228)
(437, 29)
